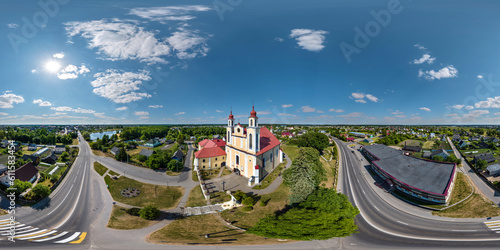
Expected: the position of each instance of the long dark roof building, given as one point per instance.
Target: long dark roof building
(426, 180)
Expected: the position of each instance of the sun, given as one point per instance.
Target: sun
(52, 66)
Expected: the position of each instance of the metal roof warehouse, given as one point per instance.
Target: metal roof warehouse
(426, 180)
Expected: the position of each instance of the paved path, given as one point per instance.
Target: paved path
(235, 182)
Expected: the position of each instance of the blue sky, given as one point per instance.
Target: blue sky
(309, 62)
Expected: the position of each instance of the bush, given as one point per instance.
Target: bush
(263, 203)
(142, 158)
(149, 212)
(239, 195)
(133, 211)
(246, 209)
(248, 201)
(41, 191)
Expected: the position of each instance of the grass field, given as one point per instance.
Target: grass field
(75, 142)
(160, 196)
(111, 172)
(99, 168)
(191, 230)
(210, 174)
(290, 150)
(428, 145)
(474, 207)
(119, 219)
(410, 142)
(173, 173)
(196, 198)
(331, 172)
(275, 201)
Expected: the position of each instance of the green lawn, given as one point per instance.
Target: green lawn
(271, 177)
(210, 174)
(291, 151)
(196, 198)
(99, 168)
(119, 219)
(410, 142)
(160, 196)
(428, 145)
(111, 172)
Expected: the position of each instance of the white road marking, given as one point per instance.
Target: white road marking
(53, 237)
(17, 229)
(76, 203)
(71, 238)
(25, 231)
(376, 208)
(27, 235)
(403, 223)
(464, 230)
(15, 225)
(62, 200)
(40, 235)
(363, 192)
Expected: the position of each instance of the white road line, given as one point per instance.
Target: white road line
(464, 230)
(38, 236)
(7, 224)
(27, 235)
(25, 231)
(376, 208)
(15, 225)
(494, 226)
(76, 203)
(403, 223)
(363, 192)
(17, 229)
(62, 200)
(51, 238)
(71, 238)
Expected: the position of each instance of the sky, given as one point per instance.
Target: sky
(298, 62)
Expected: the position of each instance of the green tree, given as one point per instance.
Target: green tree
(314, 140)
(149, 212)
(20, 186)
(437, 158)
(481, 164)
(40, 190)
(122, 155)
(174, 165)
(248, 201)
(64, 156)
(323, 215)
(142, 158)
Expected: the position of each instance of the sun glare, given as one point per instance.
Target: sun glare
(52, 66)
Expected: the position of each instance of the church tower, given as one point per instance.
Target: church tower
(230, 128)
(253, 132)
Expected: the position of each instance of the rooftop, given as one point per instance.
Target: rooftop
(422, 174)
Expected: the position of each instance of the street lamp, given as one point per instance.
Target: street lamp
(223, 182)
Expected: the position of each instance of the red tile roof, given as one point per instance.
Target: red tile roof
(267, 140)
(207, 144)
(219, 142)
(209, 152)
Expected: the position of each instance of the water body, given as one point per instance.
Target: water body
(94, 136)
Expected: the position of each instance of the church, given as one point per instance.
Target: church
(252, 152)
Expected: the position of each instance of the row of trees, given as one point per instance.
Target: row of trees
(314, 140)
(39, 136)
(146, 132)
(393, 139)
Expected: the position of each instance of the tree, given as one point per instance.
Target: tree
(174, 165)
(86, 135)
(248, 201)
(323, 215)
(437, 158)
(122, 155)
(21, 186)
(481, 164)
(155, 161)
(149, 212)
(314, 140)
(41, 191)
(142, 158)
(64, 156)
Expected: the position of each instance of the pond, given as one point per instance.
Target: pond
(94, 136)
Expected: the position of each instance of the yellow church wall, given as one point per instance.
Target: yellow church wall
(211, 162)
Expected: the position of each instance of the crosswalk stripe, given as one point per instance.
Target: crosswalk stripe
(71, 238)
(4, 220)
(82, 237)
(17, 229)
(492, 222)
(7, 225)
(25, 231)
(32, 234)
(51, 238)
(17, 225)
(40, 235)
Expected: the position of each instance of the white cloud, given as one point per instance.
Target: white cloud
(498, 113)
(2, 113)
(469, 107)
(479, 76)
(8, 99)
(491, 102)
(476, 113)
(59, 55)
(169, 13)
(446, 72)
(120, 40)
(425, 58)
(12, 25)
(279, 39)
(420, 47)
(400, 116)
(371, 98)
(308, 39)
(144, 117)
(307, 109)
(351, 115)
(320, 111)
(42, 103)
(458, 106)
(397, 112)
(122, 108)
(188, 44)
(69, 109)
(264, 112)
(141, 113)
(156, 106)
(62, 108)
(72, 72)
(180, 113)
(360, 100)
(425, 109)
(358, 95)
(120, 87)
(286, 105)
(219, 111)
(336, 110)
(34, 71)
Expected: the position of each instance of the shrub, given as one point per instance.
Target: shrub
(41, 191)
(142, 158)
(246, 209)
(248, 201)
(263, 203)
(239, 195)
(149, 212)
(133, 211)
